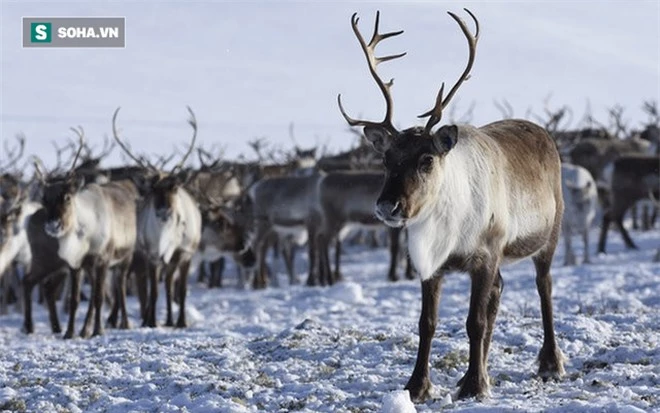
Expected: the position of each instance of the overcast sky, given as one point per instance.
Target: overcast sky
(249, 69)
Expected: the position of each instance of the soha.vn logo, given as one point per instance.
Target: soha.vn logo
(41, 32)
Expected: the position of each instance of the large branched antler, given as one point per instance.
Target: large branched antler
(14, 154)
(435, 114)
(81, 145)
(139, 161)
(373, 61)
(192, 122)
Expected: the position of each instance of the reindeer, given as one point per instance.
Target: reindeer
(214, 184)
(15, 250)
(10, 182)
(95, 229)
(284, 206)
(471, 199)
(224, 233)
(46, 268)
(169, 228)
(580, 200)
(347, 198)
(634, 177)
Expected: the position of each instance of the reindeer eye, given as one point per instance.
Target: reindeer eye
(426, 163)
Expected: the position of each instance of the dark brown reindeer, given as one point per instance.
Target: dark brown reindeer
(95, 227)
(471, 199)
(47, 269)
(634, 177)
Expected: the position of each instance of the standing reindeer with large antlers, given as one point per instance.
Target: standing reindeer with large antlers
(95, 228)
(169, 228)
(471, 198)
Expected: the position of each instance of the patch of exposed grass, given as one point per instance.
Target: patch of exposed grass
(451, 360)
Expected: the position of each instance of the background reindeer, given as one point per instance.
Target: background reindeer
(169, 226)
(95, 228)
(580, 200)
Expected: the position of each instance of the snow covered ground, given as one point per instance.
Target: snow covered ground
(250, 68)
(351, 347)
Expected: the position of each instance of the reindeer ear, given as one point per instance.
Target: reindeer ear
(445, 138)
(185, 177)
(77, 182)
(142, 183)
(379, 138)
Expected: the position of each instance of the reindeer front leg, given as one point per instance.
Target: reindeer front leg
(74, 300)
(476, 383)
(184, 267)
(99, 294)
(394, 234)
(153, 272)
(585, 240)
(169, 286)
(493, 308)
(419, 384)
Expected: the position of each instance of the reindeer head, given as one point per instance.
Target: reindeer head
(227, 234)
(413, 158)
(9, 224)
(160, 187)
(305, 158)
(57, 199)
(58, 193)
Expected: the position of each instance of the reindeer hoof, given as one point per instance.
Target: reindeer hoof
(181, 324)
(125, 325)
(419, 389)
(98, 332)
(68, 335)
(84, 333)
(551, 363)
(473, 386)
(169, 323)
(29, 329)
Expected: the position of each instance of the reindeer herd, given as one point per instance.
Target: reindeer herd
(456, 197)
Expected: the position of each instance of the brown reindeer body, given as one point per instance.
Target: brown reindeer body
(471, 199)
(47, 268)
(634, 177)
(95, 227)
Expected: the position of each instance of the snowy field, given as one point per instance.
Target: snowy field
(249, 69)
(347, 348)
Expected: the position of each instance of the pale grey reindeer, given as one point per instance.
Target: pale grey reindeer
(95, 227)
(169, 227)
(346, 199)
(15, 252)
(581, 201)
(285, 206)
(472, 199)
